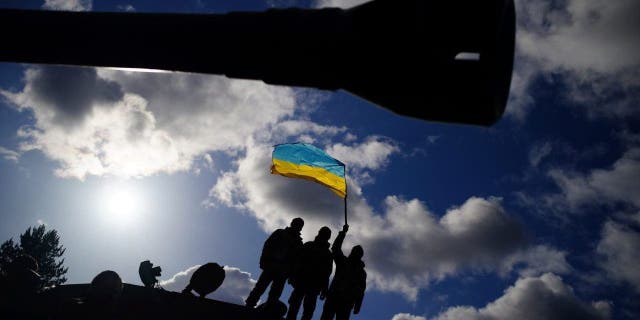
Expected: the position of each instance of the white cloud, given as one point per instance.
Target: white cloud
(591, 44)
(139, 124)
(204, 112)
(371, 154)
(292, 128)
(580, 34)
(8, 154)
(407, 316)
(234, 289)
(618, 183)
(68, 5)
(619, 249)
(339, 3)
(546, 297)
(407, 245)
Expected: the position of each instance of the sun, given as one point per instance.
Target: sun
(122, 204)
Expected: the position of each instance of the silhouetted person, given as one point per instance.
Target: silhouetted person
(310, 276)
(148, 273)
(349, 283)
(206, 279)
(276, 262)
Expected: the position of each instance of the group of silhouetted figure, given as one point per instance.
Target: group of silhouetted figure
(308, 267)
(285, 258)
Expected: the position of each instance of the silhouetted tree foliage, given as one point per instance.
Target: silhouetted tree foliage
(8, 252)
(45, 247)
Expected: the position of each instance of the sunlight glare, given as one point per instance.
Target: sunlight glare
(122, 204)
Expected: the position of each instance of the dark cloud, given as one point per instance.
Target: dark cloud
(104, 121)
(71, 92)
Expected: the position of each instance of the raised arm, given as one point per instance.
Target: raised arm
(336, 248)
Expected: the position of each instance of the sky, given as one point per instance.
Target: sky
(535, 217)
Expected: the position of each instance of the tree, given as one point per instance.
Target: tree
(8, 252)
(45, 247)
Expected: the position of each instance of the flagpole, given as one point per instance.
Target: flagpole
(345, 209)
(345, 197)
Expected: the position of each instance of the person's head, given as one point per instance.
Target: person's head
(297, 224)
(324, 234)
(356, 252)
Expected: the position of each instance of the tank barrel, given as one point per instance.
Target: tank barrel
(446, 61)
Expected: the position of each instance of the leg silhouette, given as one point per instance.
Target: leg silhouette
(295, 300)
(261, 286)
(310, 300)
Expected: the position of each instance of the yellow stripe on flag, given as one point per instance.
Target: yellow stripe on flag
(320, 175)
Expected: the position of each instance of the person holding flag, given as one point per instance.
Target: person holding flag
(305, 161)
(349, 283)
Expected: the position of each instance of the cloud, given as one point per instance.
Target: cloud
(9, 155)
(406, 245)
(537, 260)
(208, 113)
(617, 183)
(68, 5)
(544, 297)
(371, 155)
(433, 139)
(338, 3)
(407, 316)
(619, 249)
(580, 34)
(235, 288)
(126, 8)
(538, 152)
(64, 96)
(129, 124)
(305, 131)
(591, 44)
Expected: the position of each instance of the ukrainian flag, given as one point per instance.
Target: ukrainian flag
(302, 160)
